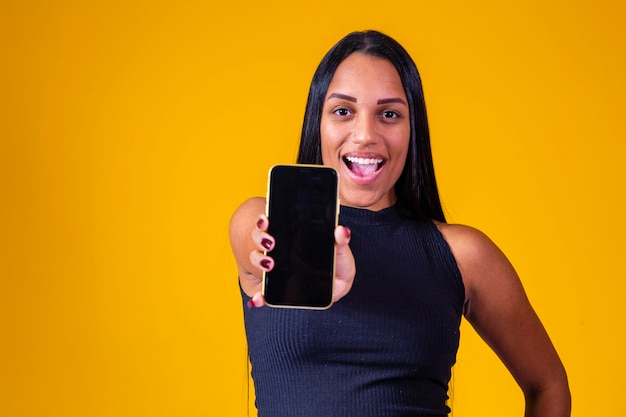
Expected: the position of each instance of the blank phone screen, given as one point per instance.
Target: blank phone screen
(302, 210)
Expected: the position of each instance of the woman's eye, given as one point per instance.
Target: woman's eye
(342, 112)
(388, 114)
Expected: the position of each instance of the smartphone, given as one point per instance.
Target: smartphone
(303, 210)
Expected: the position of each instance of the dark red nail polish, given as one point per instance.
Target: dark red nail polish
(348, 231)
(265, 263)
(259, 223)
(266, 243)
(250, 304)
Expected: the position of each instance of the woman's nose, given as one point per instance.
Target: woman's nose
(365, 130)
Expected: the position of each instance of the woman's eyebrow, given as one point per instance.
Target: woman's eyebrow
(342, 97)
(391, 100)
(353, 99)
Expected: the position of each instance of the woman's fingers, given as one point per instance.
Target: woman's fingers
(264, 243)
(257, 300)
(342, 236)
(345, 269)
(262, 222)
(263, 262)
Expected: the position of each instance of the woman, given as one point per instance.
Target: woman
(404, 277)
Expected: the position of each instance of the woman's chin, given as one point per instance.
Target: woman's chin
(367, 200)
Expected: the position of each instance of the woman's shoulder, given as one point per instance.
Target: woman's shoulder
(477, 256)
(464, 239)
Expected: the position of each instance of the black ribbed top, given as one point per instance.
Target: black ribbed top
(385, 350)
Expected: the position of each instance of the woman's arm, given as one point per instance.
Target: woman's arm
(242, 231)
(496, 305)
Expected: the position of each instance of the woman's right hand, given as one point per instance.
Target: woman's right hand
(250, 241)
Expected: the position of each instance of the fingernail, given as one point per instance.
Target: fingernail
(265, 263)
(250, 303)
(259, 223)
(266, 243)
(348, 231)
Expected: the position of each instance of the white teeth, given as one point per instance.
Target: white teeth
(364, 161)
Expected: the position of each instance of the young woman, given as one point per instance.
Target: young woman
(404, 277)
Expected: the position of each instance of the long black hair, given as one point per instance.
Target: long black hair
(416, 188)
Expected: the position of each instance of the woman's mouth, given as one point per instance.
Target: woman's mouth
(363, 167)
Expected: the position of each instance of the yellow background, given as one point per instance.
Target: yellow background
(130, 131)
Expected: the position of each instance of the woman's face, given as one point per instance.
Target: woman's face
(365, 130)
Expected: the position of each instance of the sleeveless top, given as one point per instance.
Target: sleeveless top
(384, 350)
